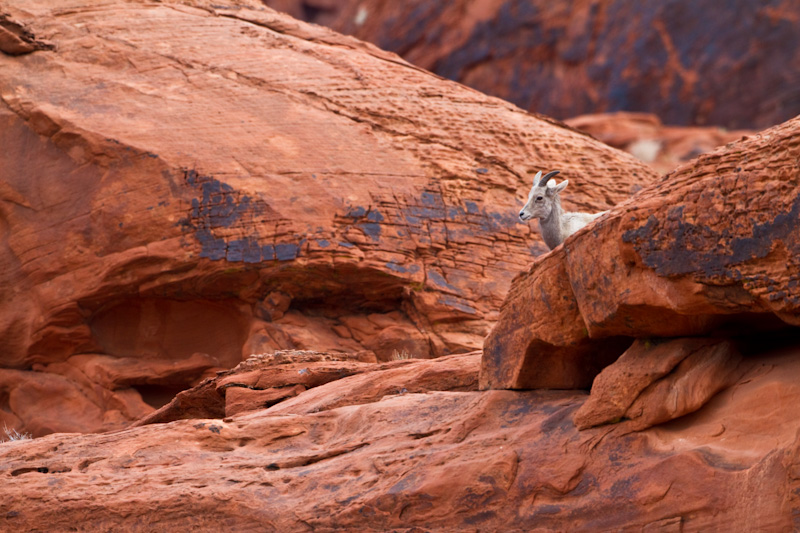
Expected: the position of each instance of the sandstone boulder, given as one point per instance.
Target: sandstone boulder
(215, 177)
(263, 381)
(39, 403)
(458, 373)
(688, 62)
(93, 392)
(711, 248)
(260, 381)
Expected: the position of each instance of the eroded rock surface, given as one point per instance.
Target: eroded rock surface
(654, 382)
(166, 211)
(689, 62)
(442, 461)
(274, 381)
(712, 248)
(218, 178)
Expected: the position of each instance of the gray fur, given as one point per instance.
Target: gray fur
(544, 204)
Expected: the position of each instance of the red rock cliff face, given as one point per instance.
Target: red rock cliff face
(187, 184)
(689, 62)
(193, 184)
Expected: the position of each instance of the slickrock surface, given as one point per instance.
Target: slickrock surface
(216, 178)
(711, 249)
(262, 381)
(657, 381)
(266, 379)
(435, 461)
(689, 62)
(662, 147)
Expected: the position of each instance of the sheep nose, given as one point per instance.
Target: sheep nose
(520, 215)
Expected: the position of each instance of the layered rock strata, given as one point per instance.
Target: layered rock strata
(427, 460)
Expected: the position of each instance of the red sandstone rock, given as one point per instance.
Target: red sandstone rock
(540, 340)
(102, 313)
(120, 372)
(712, 248)
(271, 378)
(39, 403)
(687, 62)
(92, 392)
(263, 381)
(653, 383)
(15, 40)
(242, 399)
(450, 373)
(181, 178)
(436, 461)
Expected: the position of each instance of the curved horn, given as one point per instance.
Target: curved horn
(543, 181)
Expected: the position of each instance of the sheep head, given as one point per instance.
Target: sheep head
(543, 195)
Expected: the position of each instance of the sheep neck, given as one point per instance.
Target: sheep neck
(550, 227)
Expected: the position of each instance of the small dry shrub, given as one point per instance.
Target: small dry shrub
(13, 434)
(401, 355)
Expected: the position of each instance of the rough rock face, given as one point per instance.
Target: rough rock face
(644, 136)
(220, 179)
(687, 61)
(92, 392)
(711, 249)
(433, 461)
(654, 382)
(265, 380)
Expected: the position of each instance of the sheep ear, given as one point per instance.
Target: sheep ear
(561, 186)
(536, 178)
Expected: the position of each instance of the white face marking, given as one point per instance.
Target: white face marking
(541, 198)
(538, 204)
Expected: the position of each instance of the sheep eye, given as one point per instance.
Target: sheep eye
(539, 198)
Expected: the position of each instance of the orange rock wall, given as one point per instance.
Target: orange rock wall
(225, 180)
(187, 184)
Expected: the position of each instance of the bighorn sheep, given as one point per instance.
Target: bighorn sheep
(544, 204)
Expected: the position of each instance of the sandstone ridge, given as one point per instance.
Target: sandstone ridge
(405, 451)
(281, 187)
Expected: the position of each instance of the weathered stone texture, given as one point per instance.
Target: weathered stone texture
(712, 247)
(326, 381)
(645, 136)
(434, 461)
(198, 185)
(218, 178)
(657, 381)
